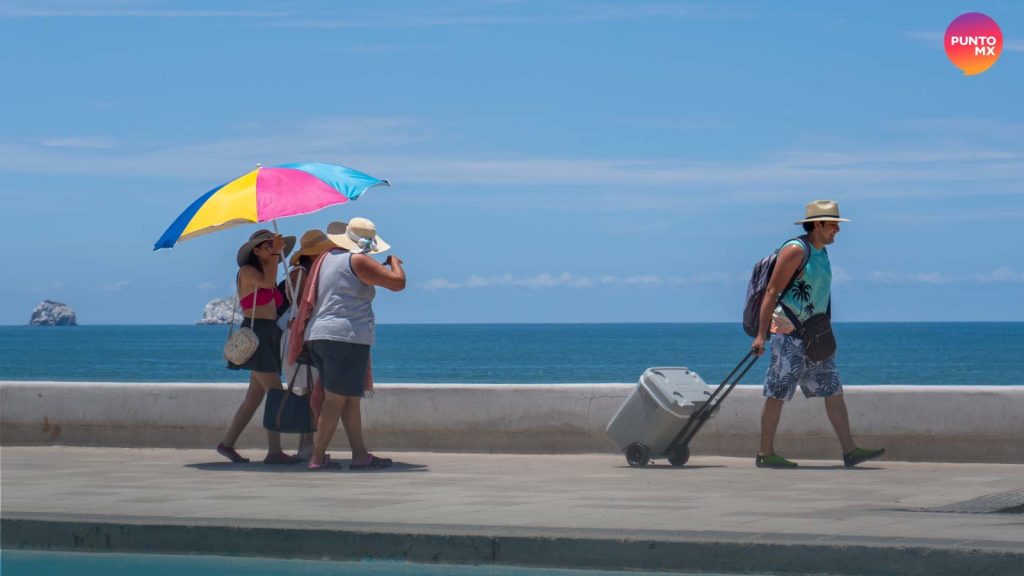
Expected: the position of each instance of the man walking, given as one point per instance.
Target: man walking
(808, 295)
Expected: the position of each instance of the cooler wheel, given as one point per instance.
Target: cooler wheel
(638, 455)
(680, 456)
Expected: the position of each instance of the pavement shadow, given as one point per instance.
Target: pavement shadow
(257, 466)
(671, 467)
(833, 467)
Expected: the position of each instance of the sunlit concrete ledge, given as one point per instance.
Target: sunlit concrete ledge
(922, 423)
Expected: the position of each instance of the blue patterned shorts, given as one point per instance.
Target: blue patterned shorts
(791, 367)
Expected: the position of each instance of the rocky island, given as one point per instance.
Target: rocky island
(219, 311)
(51, 313)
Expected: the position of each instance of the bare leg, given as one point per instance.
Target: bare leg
(352, 420)
(253, 399)
(327, 424)
(835, 406)
(770, 415)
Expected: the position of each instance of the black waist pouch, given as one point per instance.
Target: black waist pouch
(816, 333)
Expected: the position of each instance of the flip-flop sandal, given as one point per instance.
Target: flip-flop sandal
(281, 458)
(372, 462)
(229, 453)
(327, 465)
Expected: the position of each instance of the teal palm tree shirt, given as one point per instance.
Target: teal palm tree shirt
(810, 293)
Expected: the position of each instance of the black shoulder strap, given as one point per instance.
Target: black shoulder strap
(803, 263)
(806, 245)
(828, 310)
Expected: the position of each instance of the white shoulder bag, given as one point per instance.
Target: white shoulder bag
(241, 344)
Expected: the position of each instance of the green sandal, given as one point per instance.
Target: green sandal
(773, 461)
(858, 455)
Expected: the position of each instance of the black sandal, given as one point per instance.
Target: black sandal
(229, 453)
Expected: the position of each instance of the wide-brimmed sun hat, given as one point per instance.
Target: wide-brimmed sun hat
(823, 211)
(258, 237)
(312, 243)
(358, 235)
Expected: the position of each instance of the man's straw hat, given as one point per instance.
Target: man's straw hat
(823, 211)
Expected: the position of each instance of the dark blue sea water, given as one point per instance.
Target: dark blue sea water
(869, 353)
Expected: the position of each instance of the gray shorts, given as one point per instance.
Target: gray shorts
(342, 365)
(790, 368)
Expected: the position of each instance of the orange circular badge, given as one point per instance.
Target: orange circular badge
(973, 42)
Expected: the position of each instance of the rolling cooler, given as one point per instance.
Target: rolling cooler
(666, 410)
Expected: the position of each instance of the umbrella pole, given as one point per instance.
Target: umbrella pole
(287, 277)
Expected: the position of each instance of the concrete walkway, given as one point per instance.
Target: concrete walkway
(714, 514)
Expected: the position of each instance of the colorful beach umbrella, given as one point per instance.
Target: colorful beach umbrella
(266, 194)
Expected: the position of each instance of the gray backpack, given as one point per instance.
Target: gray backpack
(758, 284)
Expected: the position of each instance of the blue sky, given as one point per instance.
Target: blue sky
(551, 161)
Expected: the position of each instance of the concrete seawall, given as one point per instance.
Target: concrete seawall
(915, 423)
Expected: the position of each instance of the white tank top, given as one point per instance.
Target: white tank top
(344, 303)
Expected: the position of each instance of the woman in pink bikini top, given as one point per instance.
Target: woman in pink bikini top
(258, 296)
(262, 297)
(257, 277)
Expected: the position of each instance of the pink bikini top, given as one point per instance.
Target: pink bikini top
(262, 297)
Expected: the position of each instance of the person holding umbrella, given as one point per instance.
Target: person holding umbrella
(259, 298)
(341, 329)
(264, 195)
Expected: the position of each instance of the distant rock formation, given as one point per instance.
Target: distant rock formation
(219, 311)
(50, 313)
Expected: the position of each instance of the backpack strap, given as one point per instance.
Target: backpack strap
(803, 263)
(806, 245)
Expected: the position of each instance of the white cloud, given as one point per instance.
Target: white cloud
(341, 15)
(45, 288)
(404, 150)
(386, 48)
(541, 281)
(120, 9)
(935, 39)
(911, 278)
(511, 14)
(90, 142)
(115, 286)
(643, 280)
(1003, 274)
(931, 38)
(440, 284)
(840, 275)
(708, 278)
(569, 280)
(318, 138)
(208, 286)
(1013, 45)
(207, 161)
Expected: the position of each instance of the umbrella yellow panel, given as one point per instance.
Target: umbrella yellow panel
(233, 203)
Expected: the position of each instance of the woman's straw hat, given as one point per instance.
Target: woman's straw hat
(258, 237)
(313, 243)
(822, 210)
(358, 235)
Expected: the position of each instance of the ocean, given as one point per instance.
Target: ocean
(869, 353)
